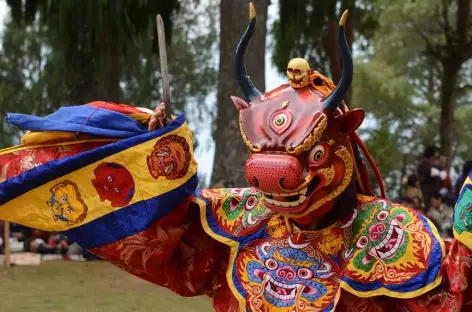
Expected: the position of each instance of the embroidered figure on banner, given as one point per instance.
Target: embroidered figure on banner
(66, 203)
(170, 158)
(114, 183)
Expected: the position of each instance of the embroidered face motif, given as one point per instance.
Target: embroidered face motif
(286, 279)
(66, 203)
(237, 210)
(389, 244)
(113, 183)
(170, 158)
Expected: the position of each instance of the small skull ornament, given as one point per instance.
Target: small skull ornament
(298, 73)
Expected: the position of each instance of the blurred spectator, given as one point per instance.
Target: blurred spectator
(15, 240)
(466, 168)
(54, 245)
(411, 186)
(406, 201)
(430, 174)
(418, 204)
(24, 239)
(20, 231)
(446, 184)
(440, 214)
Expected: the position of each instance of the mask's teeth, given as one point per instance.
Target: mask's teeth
(278, 203)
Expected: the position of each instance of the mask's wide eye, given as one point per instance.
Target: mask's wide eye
(305, 273)
(251, 202)
(271, 264)
(382, 215)
(317, 154)
(280, 121)
(362, 242)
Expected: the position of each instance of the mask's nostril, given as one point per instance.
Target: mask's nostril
(281, 181)
(256, 182)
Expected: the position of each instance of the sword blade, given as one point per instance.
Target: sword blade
(164, 69)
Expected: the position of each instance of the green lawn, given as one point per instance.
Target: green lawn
(66, 286)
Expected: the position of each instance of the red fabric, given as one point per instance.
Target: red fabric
(15, 163)
(120, 108)
(454, 293)
(176, 253)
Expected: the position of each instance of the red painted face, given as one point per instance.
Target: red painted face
(300, 155)
(114, 183)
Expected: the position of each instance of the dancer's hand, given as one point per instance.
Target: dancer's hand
(159, 118)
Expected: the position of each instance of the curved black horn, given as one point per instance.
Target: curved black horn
(248, 88)
(334, 98)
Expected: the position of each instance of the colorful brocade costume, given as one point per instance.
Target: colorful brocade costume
(309, 235)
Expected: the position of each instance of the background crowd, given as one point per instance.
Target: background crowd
(24, 239)
(430, 190)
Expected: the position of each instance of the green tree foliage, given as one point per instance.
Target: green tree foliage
(308, 28)
(32, 71)
(30, 79)
(192, 68)
(91, 35)
(401, 84)
(190, 57)
(300, 31)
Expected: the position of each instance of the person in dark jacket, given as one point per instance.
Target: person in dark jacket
(430, 174)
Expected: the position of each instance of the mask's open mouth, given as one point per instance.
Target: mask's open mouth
(284, 291)
(388, 247)
(291, 201)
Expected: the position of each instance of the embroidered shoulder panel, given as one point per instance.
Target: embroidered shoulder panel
(235, 212)
(463, 214)
(394, 251)
(277, 274)
(380, 249)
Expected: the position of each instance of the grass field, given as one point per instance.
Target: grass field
(66, 286)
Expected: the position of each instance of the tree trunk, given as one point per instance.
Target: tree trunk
(446, 126)
(112, 66)
(230, 151)
(457, 53)
(88, 78)
(81, 81)
(403, 175)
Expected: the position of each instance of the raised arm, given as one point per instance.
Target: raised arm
(97, 174)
